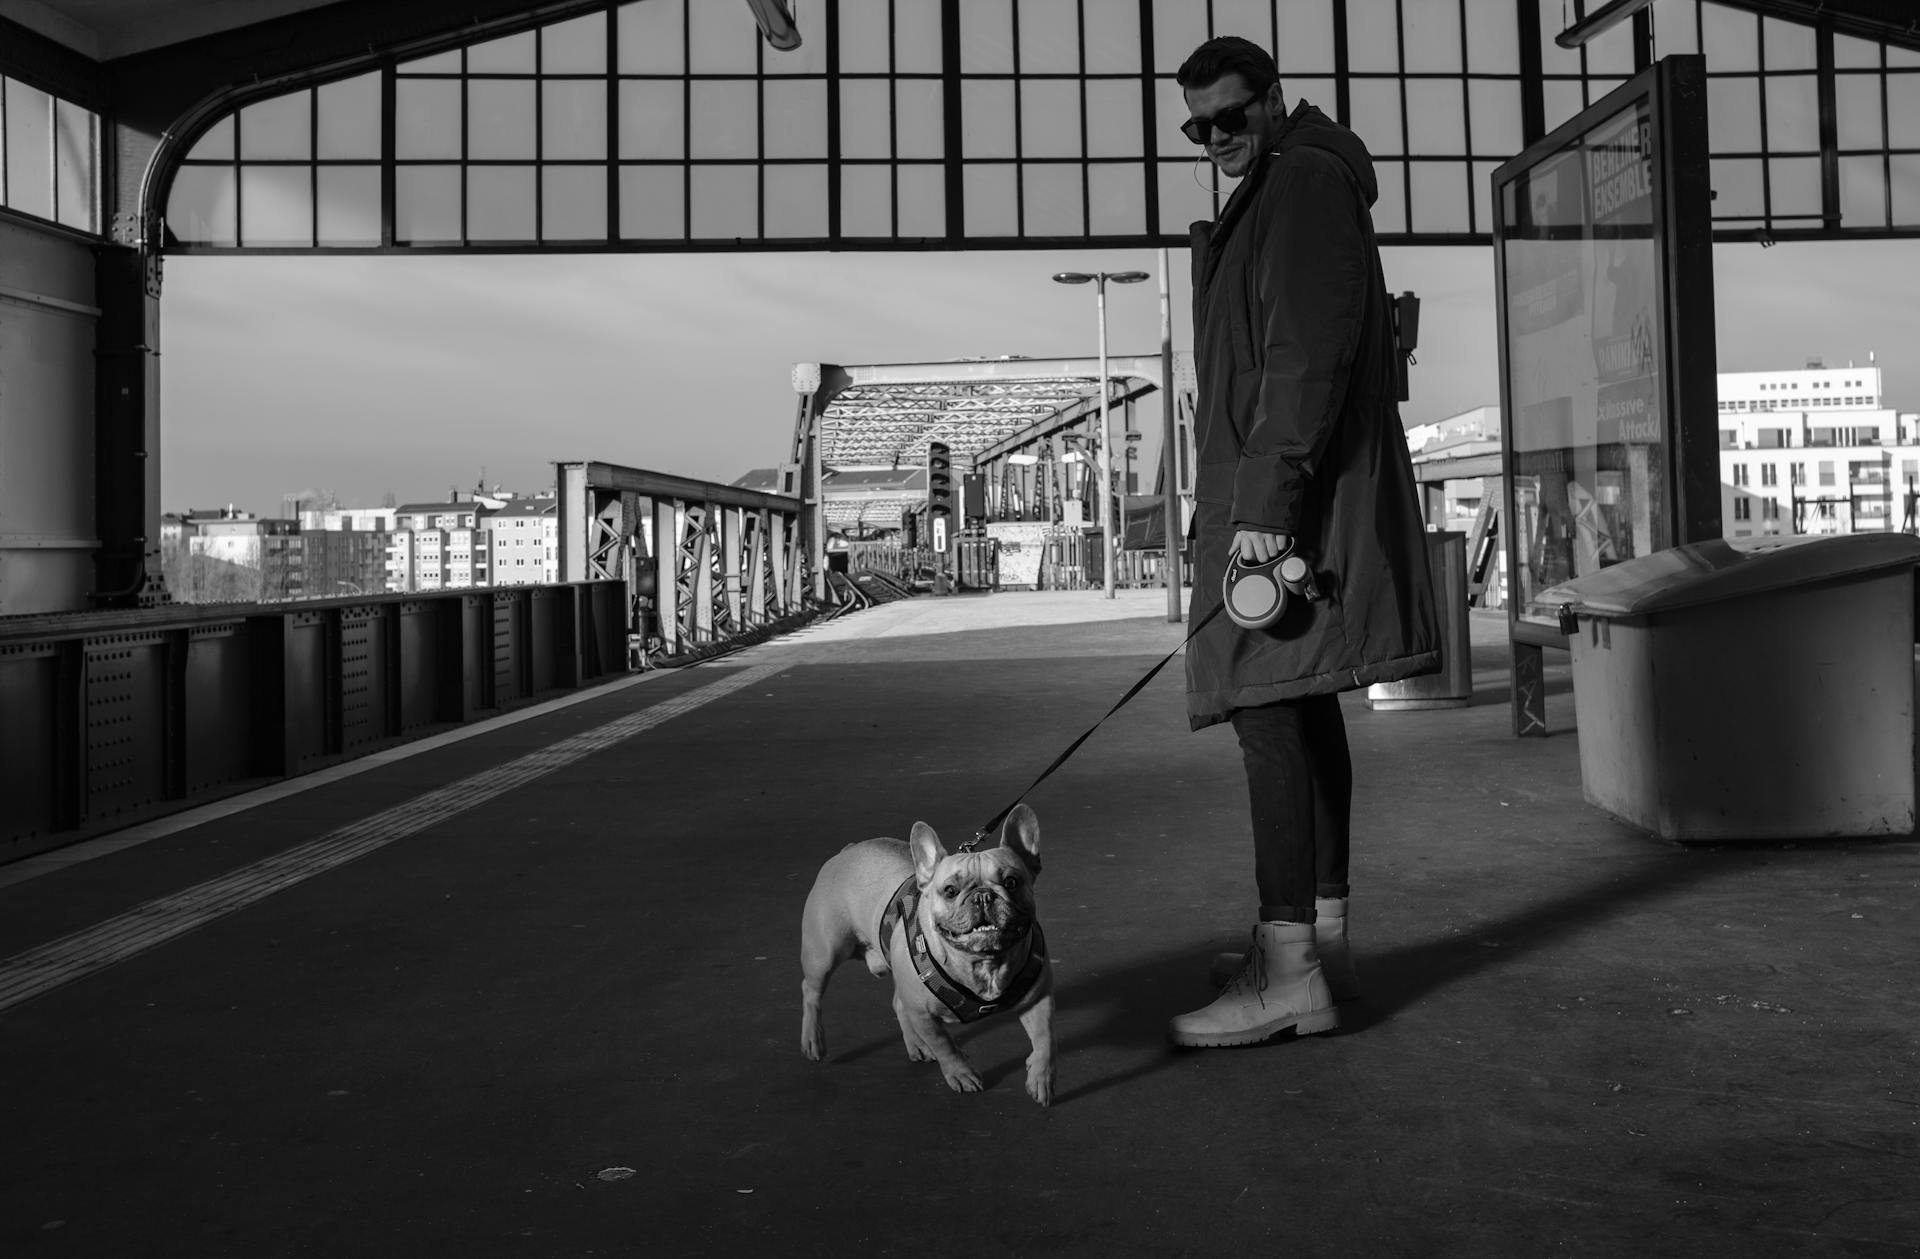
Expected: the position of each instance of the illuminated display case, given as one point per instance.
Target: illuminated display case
(1604, 271)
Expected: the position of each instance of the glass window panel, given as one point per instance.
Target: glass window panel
(1902, 58)
(1856, 104)
(573, 119)
(278, 128)
(1597, 89)
(919, 125)
(1053, 201)
(438, 63)
(1050, 118)
(1321, 93)
(1376, 114)
(1112, 35)
(1373, 35)
(1738, 192)
(1612, 53)
(201, 206)
(76, 166)
(916, 37)
(1794, 186)
(986, 119)
(349, 205)
(1493, 38)
(1169, 111)
(215, 144)
(1440, 197)
(795, 117)
(1733, 115)
(1903, 111)
(725, 115)
(1116, 199)
(510, 54)
(1793, 112)
(426, 119)
(796, 201)
(1732, 38)
(1906, 190)
(1178, 29)
(1553, 58)
(573, 203)
(864, 130)
(652, 119)
(578, 46)
(1182, 199)
(426, 204)
(1113, 118)
(1562, 99)
(1306, 38)
(649, 39)
(1789, 45)
(1436, 117)
(500, 115)
(726, 202)
(276, 206)
(349, 123)
(1676, 30)
(1483, 196)
(1390, 211)
(866, 201)
(1049, 36)
(1495, 108)
(1863, 192)
(1249, 19)
(811, 56)
(923, 201)
(986, 38)
(865, 41)
(1433, 37)
(722, 40)
(500, 202)
(29, 150)
(653, 200)
(990, 201)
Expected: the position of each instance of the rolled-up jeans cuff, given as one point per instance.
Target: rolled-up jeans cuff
(1287, 913)
(1331, 891)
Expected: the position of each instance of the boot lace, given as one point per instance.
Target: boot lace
(1251, 978)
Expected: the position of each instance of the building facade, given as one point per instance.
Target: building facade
(438, 546)
(523, 541)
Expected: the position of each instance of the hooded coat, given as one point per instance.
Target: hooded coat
(1298, 431)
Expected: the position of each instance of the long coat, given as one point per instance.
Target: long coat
(1298, 432)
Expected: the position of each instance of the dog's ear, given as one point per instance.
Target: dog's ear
(928, 852)
(1021, 832)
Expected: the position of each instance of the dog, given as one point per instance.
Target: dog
(958, 933)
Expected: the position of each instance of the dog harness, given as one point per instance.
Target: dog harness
(968, 1008)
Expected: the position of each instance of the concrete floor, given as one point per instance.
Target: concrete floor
(1576, 1039)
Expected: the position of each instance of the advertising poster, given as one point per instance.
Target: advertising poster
(1583, 297)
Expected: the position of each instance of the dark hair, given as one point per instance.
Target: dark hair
(1229, 54)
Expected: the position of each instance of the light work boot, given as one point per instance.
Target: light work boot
(1278, 988)
(1329, 937)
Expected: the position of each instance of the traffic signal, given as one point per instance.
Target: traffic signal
(939, 497)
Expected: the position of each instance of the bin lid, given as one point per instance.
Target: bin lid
(1728, 568)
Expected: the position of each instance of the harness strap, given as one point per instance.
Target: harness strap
(964, 1004)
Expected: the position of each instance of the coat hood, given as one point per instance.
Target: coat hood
(1307, 127)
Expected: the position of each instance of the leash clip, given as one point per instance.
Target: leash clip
(973, 843)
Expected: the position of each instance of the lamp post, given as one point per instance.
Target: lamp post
(1099, 280)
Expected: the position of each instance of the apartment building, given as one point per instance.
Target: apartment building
(523, 541)
(438, 546)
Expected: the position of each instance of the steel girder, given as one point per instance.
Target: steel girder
(724, 561)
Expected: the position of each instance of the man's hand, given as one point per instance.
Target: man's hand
(1256, 547)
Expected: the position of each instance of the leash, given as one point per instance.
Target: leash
(1073, 747)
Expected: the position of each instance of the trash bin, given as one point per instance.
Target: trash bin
(1749, 689)
(1452, 687)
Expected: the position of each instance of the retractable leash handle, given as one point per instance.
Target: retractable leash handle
(1256, 594)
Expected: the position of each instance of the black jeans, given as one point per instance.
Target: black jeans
(1300, 783)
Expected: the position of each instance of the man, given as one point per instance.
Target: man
(1299, 446)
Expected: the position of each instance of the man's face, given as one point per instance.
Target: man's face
(1234, 154)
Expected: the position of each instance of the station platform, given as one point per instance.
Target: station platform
(532, 989)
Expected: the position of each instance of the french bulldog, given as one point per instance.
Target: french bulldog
(975, 914)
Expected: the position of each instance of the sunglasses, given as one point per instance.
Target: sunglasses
(1228, 122)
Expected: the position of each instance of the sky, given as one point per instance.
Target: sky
(368, 375)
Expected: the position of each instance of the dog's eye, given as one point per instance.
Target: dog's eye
(1011, 882)
(950, 891)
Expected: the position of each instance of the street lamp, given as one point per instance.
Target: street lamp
(1099, 280)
